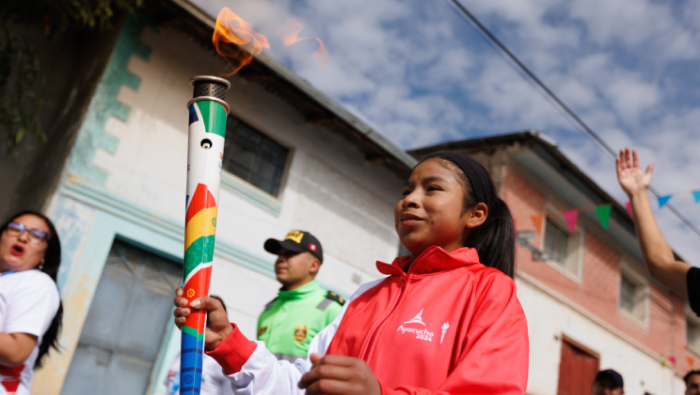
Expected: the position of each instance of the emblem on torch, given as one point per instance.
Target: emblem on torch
(444, 330)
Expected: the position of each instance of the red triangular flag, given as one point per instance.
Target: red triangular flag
(571, 216)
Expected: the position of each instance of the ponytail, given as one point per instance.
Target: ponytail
(52, 261)
(494, 240)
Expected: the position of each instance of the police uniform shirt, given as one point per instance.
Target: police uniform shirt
(290, 321)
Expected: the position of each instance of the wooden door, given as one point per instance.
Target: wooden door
(577, 369)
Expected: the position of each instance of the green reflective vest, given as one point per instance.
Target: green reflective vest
(293, 318)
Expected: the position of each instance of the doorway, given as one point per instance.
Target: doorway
(127, 320)
(577, 368)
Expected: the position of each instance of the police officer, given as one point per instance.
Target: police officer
(302, 308)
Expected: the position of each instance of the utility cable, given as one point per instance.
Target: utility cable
(521, 69)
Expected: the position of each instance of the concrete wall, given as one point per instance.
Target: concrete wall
(126, 178)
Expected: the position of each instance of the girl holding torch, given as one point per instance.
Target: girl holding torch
(446, 320)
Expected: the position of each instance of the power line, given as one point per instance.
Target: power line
(497, 45)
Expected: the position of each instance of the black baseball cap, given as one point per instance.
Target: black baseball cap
(296, 241)
(612, 376)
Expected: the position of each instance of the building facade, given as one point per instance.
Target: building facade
(293, 160)
(589, 301)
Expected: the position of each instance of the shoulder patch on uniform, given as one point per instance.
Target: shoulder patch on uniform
(335, 297)
(269, 305)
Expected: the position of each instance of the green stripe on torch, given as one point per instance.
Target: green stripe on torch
(213, 116)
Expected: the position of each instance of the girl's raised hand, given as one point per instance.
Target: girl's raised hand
(339, 375)
(631, 177)
(218, 326)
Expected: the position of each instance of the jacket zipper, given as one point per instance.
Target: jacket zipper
(372, 338)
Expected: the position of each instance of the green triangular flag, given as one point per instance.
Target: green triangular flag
(604, 214)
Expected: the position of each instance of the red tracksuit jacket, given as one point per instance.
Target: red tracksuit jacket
(446, 325)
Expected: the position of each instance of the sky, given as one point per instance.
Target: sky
(420, 75)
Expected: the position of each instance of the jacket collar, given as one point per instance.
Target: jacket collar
(301, 291)
(432, 260)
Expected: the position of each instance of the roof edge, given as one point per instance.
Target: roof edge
(314, 94)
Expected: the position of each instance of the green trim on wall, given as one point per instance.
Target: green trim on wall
(251, 193)
(104, 104)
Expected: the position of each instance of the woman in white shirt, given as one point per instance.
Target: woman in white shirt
(30, 305)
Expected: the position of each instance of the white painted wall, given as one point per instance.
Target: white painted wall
(330, 190)
(548, 318)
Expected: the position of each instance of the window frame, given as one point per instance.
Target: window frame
(248, 191)
(572, 267)
(630, 270)
(692, 319)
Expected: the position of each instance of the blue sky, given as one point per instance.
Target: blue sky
(420, 75)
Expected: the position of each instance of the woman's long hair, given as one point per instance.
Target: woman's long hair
(52, 260)
(494, 240)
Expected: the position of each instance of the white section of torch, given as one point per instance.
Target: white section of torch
(203, 165)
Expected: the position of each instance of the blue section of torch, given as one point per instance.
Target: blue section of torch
(191, 360)
(193, 115)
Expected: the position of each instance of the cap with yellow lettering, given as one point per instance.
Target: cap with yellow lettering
(296, 241)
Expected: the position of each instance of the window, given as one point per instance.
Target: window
(634, 291)
(253, 156)
(692, 330)
(562, 249)
(627, 291)
(555, 242)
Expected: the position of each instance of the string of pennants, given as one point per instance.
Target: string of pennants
(602, 211)
(571, 216)
(664, 199)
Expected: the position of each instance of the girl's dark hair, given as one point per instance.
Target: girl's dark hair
(52, 260)
(494, 240)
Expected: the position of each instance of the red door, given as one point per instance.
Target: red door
(577, 369)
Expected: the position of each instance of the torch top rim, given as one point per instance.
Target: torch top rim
(210, 78)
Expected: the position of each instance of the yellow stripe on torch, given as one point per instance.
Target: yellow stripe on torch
(202, 224)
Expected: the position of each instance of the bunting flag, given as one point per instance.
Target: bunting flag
(672, 360)
(537, 223)
(663, 200)
(603, 213)
(690, 361)
(571, 216)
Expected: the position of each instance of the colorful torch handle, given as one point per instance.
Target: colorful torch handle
(208, 111)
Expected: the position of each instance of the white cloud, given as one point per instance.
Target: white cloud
(420, 75)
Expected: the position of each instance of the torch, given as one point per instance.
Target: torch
(205, 152)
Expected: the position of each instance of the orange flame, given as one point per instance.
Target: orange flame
(290, 35)
(232, 29)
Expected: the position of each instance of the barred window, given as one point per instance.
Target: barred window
(627, 294)
(253, 156)
(556, 241)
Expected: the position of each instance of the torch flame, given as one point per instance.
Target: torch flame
(232, 29)
(290, 35)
